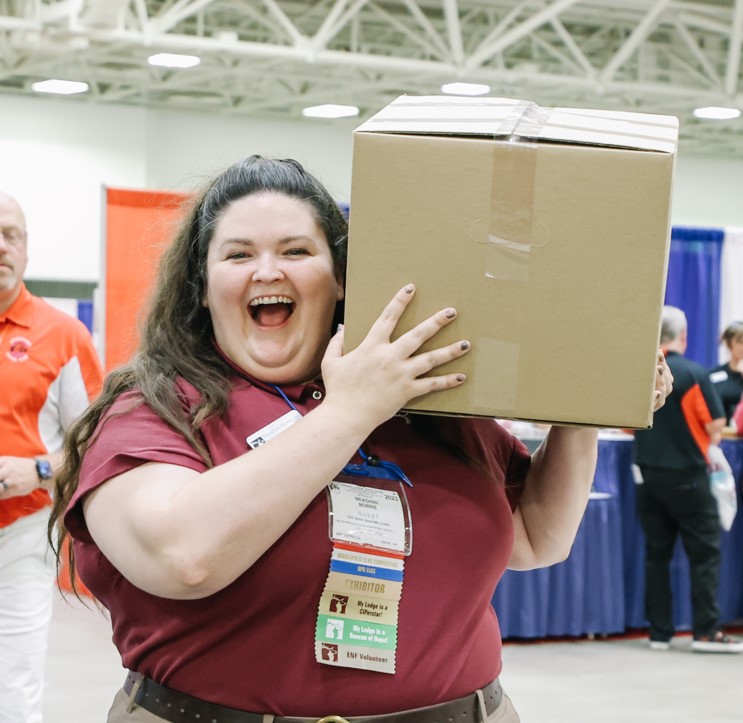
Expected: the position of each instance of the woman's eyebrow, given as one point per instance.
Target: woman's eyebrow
(282, 241)
(236, 240)
(297, 237)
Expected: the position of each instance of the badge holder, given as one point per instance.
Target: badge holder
(371, 531)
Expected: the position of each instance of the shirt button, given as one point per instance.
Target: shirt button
(317, 394)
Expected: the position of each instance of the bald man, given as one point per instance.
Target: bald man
(49, 372)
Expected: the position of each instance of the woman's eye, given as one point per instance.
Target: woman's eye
(297, 252)
(237, 256)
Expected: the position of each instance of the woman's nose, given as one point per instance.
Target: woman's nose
(268, 269)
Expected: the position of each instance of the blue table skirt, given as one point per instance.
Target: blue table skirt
(599, 588)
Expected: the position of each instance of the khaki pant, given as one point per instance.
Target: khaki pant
(118, 713)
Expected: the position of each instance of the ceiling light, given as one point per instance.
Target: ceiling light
(330, 110)
(715, 112)
(173, 60)
(63, 87)
(465, 88)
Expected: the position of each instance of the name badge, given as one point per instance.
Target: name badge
(274, 429)
(719, 376)
(370, 517)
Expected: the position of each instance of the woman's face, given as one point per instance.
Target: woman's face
(272, 287)
(736, 351)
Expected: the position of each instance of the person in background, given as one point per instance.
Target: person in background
(727, 378)
(49, 371)
(675, 497)
(270, 536)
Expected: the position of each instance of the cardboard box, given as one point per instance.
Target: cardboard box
(547, 228)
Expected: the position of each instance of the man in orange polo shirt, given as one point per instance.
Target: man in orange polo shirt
(49, 371)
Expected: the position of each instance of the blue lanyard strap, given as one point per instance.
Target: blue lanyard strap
(284, 397)
(375, 467)
(372, 466)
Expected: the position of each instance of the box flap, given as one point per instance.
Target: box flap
(517, 120)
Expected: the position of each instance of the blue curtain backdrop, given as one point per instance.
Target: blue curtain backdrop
(694, 285)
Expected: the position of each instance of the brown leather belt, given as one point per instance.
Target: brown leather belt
(176, 707)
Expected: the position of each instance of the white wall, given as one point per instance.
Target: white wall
(56, 155)
(184, 149)
(708, 191)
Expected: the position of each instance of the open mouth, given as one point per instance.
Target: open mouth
(271, 311)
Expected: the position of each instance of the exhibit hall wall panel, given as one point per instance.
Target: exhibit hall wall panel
(184, 149)
(707, 191)
(56, 155)
(731, 282)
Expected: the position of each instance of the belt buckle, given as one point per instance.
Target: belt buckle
(332, 719)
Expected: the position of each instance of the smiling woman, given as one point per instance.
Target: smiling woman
(272, 287)
(241, 499)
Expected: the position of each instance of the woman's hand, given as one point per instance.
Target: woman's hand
(663, 381)
(17, 476)
(380, 376)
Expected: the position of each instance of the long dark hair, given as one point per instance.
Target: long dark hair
(177, 337)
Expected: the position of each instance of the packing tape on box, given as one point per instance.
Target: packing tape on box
(512, 231)
(525, 121)
(497, 364)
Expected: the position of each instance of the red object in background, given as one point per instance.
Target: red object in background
(139, 225)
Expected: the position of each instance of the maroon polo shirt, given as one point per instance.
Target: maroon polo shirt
(251, 645)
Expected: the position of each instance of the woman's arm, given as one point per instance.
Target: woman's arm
(554, 497)
(178, 533)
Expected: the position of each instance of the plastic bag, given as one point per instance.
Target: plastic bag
(722, 483)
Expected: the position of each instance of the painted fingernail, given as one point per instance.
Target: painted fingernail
(461, 377)
(409, 289)
(450, 313)
(464, 345)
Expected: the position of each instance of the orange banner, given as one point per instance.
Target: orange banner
(139, 224)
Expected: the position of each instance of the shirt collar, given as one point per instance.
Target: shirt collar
(21, 310)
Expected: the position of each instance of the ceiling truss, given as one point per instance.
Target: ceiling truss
(271, 58)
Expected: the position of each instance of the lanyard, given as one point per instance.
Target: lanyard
(371, 467)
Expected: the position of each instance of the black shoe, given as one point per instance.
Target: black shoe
(718, 642)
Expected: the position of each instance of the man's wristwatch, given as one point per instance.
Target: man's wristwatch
(44, 470)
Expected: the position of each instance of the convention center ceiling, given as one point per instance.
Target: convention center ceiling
(274, 58)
